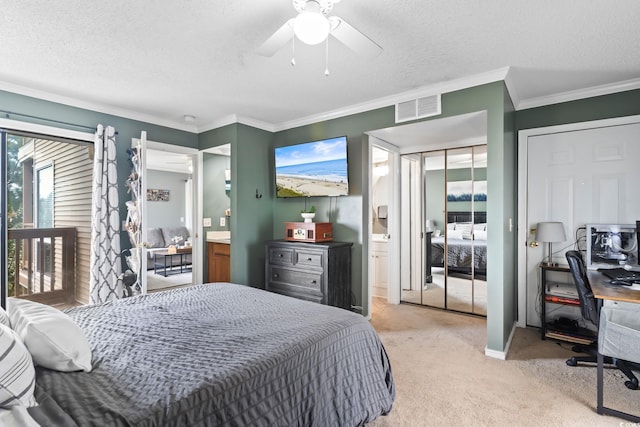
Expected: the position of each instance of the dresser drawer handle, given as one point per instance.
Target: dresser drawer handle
(280, 255)
(309, 259)
(313, 282)
(275, 275)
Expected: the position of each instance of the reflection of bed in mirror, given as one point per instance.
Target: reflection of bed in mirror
(463, 251)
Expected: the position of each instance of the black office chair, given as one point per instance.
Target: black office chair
(590, 308)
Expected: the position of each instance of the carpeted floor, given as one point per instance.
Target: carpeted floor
(443, 377)
(156, 282)
(462, 294)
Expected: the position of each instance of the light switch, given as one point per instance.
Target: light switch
(206, 222)
(223, 221)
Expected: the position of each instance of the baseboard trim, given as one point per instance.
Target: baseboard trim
(502, 355)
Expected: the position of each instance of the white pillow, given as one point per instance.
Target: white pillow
(480, 235)
(481, 226)
(451, 226)
(454, 234)
(466, 228)
(52, 338)
(4, 318)
(17, 374)
(17, 416)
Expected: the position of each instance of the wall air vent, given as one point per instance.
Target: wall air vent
(418, 108)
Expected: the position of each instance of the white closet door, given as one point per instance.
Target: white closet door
(578, 177)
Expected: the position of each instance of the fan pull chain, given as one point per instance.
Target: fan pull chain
(293, 51)
(326, 58)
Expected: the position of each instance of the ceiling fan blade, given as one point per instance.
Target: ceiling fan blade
(353, 38)
(277, 40)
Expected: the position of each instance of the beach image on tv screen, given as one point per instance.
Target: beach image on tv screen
(312, 169)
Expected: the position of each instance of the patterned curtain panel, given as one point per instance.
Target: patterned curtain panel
(106, 267)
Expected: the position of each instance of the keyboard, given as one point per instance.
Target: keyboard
(620, 274)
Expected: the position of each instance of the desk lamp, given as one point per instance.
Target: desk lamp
(550, 232)
(430, 225)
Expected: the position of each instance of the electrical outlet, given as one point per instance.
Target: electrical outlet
(206, 222)
(223, 221)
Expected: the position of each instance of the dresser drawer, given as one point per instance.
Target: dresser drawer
(319, 272)
(309, 259)
(310, 281)
(295, 292)
(282, 256)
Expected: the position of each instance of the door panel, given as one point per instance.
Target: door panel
(578, 177)
(446, 187)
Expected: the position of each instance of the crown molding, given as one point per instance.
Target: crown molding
(438, 88)
(114, 111)
(503, 74)
(512, 88)
(574, 95)
(234, 118)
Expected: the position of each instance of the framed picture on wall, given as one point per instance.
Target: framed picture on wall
(154, 195)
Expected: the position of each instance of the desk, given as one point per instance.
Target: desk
(603, 291)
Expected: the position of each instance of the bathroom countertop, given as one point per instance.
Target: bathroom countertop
(219, 237)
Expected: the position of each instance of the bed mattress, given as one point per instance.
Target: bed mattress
(223, 354)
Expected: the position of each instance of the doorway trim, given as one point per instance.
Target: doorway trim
(393, 228)
(196, 155)
(523, 174)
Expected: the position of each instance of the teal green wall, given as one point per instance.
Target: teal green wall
(346, 211)
(509, 238)
(262, 219)
(597, 108)
(501, 202)
(251, 216)
(435, 191)
(215, 199)
(56, 115)
(348, 219)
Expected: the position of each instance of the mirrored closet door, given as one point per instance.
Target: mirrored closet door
(444, 229)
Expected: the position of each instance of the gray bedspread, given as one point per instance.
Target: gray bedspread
(461, 254)
(224, 354)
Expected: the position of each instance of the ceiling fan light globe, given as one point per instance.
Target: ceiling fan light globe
(311, 27)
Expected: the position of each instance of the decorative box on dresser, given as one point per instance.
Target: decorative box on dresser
(319, 272)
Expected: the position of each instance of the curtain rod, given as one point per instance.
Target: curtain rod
(9, 113)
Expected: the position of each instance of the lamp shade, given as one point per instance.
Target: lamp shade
(550, 232)
(430, 225)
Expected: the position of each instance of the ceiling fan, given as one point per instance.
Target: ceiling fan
(312, 26)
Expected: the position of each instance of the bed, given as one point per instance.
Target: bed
(459, 256)
(464, 253)
(220, 354)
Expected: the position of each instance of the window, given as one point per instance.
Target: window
(44, 196)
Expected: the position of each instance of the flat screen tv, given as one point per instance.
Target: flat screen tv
(317, 168)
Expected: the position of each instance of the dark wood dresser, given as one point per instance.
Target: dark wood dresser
(319, 272)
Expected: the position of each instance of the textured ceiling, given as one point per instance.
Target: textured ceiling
(160, 60)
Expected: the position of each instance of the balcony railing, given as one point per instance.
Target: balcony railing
(44, 261)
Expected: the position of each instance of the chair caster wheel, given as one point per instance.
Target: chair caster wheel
(572, 362)
(632, 384)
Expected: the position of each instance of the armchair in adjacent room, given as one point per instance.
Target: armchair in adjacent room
(590, 308)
